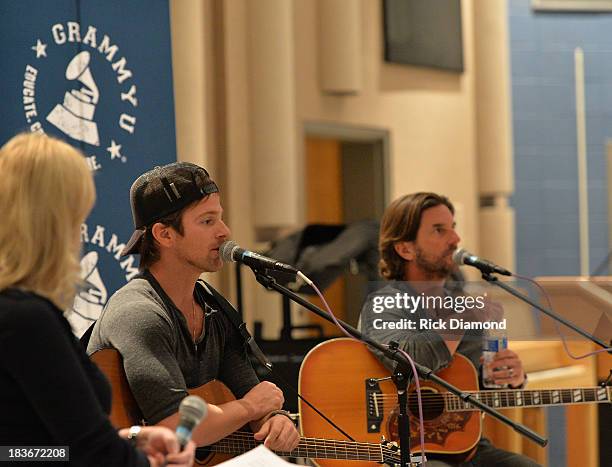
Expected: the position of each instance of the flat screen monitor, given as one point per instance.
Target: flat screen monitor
(424, 32)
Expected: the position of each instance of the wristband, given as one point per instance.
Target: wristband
(278, 412)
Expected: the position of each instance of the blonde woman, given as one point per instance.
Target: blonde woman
(50, 393)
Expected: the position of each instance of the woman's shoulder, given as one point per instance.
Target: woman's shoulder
(19, 305)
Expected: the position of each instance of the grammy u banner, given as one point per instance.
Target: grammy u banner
(98, 74)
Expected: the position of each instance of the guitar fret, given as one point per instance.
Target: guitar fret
(566, 396)
(526, 398)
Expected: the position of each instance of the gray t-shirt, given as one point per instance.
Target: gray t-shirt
(160, 359)
(425, 346)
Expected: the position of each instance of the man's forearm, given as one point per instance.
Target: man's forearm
(221, 421)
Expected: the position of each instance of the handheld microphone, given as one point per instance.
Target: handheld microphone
(462, 257)
(230, 251)
(192, 411)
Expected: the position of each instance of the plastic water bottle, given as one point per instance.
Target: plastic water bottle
(493, 341)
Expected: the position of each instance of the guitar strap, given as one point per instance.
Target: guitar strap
(205, 288)
(235, 319)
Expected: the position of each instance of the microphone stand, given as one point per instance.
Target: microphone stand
(487, 276)
(392, 353)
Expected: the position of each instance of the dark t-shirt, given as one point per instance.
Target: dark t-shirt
(50, 392)
(160, 359)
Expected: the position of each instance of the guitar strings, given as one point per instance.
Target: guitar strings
(585, 392)
(245, 435)
(321, 447)
(304, 441)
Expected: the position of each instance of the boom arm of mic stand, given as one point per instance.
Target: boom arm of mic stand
(495, 281)
(424, 372)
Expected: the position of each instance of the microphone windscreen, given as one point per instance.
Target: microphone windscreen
(459, 256)
(193, 410)
(226, 249)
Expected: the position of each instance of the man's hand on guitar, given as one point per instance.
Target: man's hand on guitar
(263, 399)
(279, 434)
(507, 368)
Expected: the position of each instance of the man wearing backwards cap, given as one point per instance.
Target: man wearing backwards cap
(172, 330)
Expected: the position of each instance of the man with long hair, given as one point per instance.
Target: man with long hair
(175, 332)
(416, 245)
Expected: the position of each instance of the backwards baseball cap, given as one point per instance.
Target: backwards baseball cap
(162, 191)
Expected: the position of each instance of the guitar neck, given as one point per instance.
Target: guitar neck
(531, 397)
(316, 448)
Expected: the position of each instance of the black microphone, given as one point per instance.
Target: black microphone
(230, 251)
(192, 411)
(462, 257)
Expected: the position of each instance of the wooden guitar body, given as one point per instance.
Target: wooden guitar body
(125, 412)
(340, 377)
(334, 377)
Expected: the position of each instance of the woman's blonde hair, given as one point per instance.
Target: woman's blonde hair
(46, 191)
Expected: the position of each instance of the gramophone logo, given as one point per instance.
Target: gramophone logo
(86, 112)
(91, 297)
(102, 269)
(75, 116)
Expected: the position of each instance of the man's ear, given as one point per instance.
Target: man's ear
(163, 234)
(405, 250)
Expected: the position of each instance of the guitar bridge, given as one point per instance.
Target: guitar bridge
(374, 405)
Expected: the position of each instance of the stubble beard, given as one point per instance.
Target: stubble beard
(436, 268)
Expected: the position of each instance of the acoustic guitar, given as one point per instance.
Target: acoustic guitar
(125, 412)
(339, 377)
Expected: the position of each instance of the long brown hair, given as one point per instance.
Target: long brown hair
(401, 222)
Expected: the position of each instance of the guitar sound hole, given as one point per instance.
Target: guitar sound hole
(433, 404)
